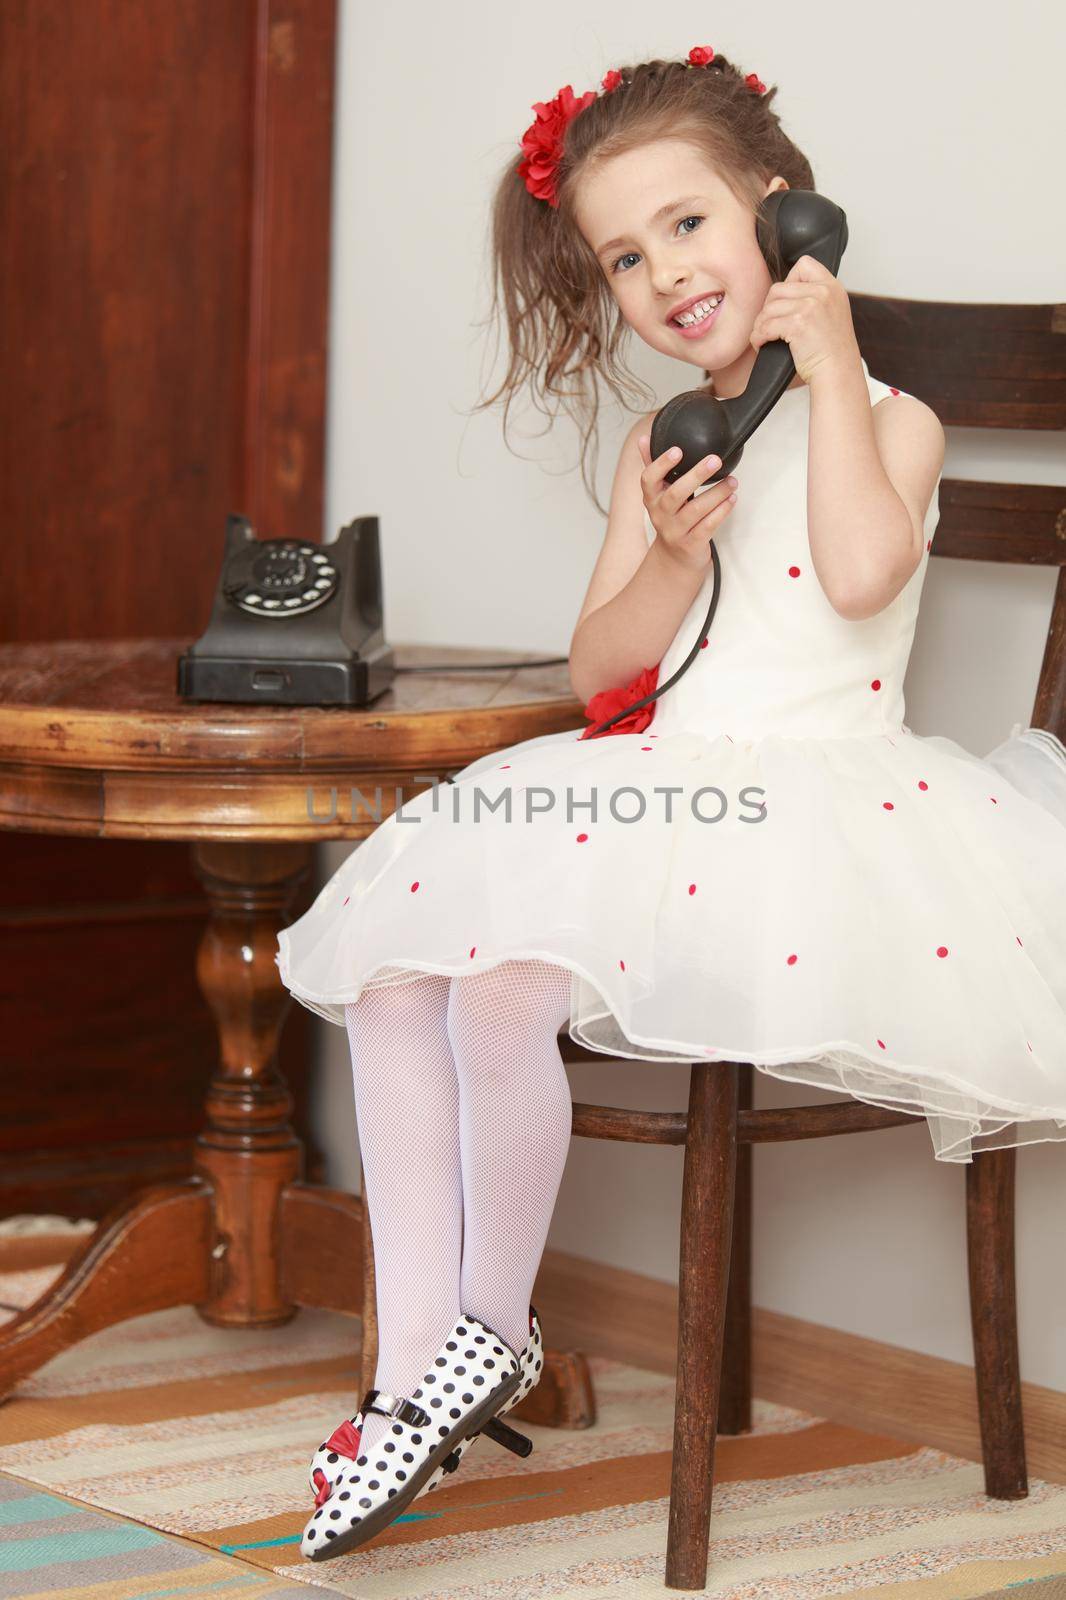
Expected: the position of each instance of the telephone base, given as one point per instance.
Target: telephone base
(281, 682)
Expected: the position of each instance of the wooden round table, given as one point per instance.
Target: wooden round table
(95, 741)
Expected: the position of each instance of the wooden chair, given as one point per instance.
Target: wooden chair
(1001, 366)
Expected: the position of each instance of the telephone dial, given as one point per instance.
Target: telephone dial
(789, 223)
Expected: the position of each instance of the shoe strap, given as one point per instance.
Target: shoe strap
(395, 1405)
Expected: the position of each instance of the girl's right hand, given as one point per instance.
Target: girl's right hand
(684, 526)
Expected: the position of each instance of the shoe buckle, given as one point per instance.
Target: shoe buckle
(396, 1405)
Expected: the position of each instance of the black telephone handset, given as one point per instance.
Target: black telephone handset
(789, 224)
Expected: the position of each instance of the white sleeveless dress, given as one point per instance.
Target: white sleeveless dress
(776, 870)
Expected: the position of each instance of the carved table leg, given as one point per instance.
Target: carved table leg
(279, 1243)
(247, 1152)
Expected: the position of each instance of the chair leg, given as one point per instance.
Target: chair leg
(706, 1240)
(734, 1402)
(994, 1318)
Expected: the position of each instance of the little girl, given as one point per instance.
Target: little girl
(763, 865)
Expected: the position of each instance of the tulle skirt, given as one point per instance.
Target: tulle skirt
(879, 915)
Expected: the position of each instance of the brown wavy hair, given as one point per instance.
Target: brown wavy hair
(562, 320)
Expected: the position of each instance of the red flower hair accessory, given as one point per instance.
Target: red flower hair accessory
(608, 701)
(701, 55)
(542, 142)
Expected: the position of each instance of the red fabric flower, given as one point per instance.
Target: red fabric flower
(608, 701)
(542, 141)
(701, 55)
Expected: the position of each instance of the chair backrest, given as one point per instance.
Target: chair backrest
(986, 366)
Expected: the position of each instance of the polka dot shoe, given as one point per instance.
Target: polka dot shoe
(473, 1375)
(342, 1446)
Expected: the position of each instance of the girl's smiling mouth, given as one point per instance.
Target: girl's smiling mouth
(697, 329)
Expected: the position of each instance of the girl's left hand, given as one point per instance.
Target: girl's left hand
(811, 311)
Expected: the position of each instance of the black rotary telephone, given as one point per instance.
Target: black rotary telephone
(294, 622)
(789, 223)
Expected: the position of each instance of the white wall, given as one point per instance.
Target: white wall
(937, 131)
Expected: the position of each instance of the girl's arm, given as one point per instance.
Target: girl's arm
(871, 472)
(619, 639)
(637, 595)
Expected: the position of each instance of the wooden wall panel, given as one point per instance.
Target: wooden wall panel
(164, 229)
(127, 133)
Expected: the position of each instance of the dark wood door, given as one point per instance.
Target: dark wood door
(165, 218)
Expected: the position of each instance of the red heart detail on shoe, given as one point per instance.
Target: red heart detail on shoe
(322, 1489)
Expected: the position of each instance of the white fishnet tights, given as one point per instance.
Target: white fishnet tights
(464, 1117)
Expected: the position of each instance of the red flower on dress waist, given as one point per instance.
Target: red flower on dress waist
(609, 701)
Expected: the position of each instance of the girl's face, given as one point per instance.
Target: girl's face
(704, 246)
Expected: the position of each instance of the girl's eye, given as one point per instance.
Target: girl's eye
(680, 224)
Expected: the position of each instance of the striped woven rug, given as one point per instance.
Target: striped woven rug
(205, 1434)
